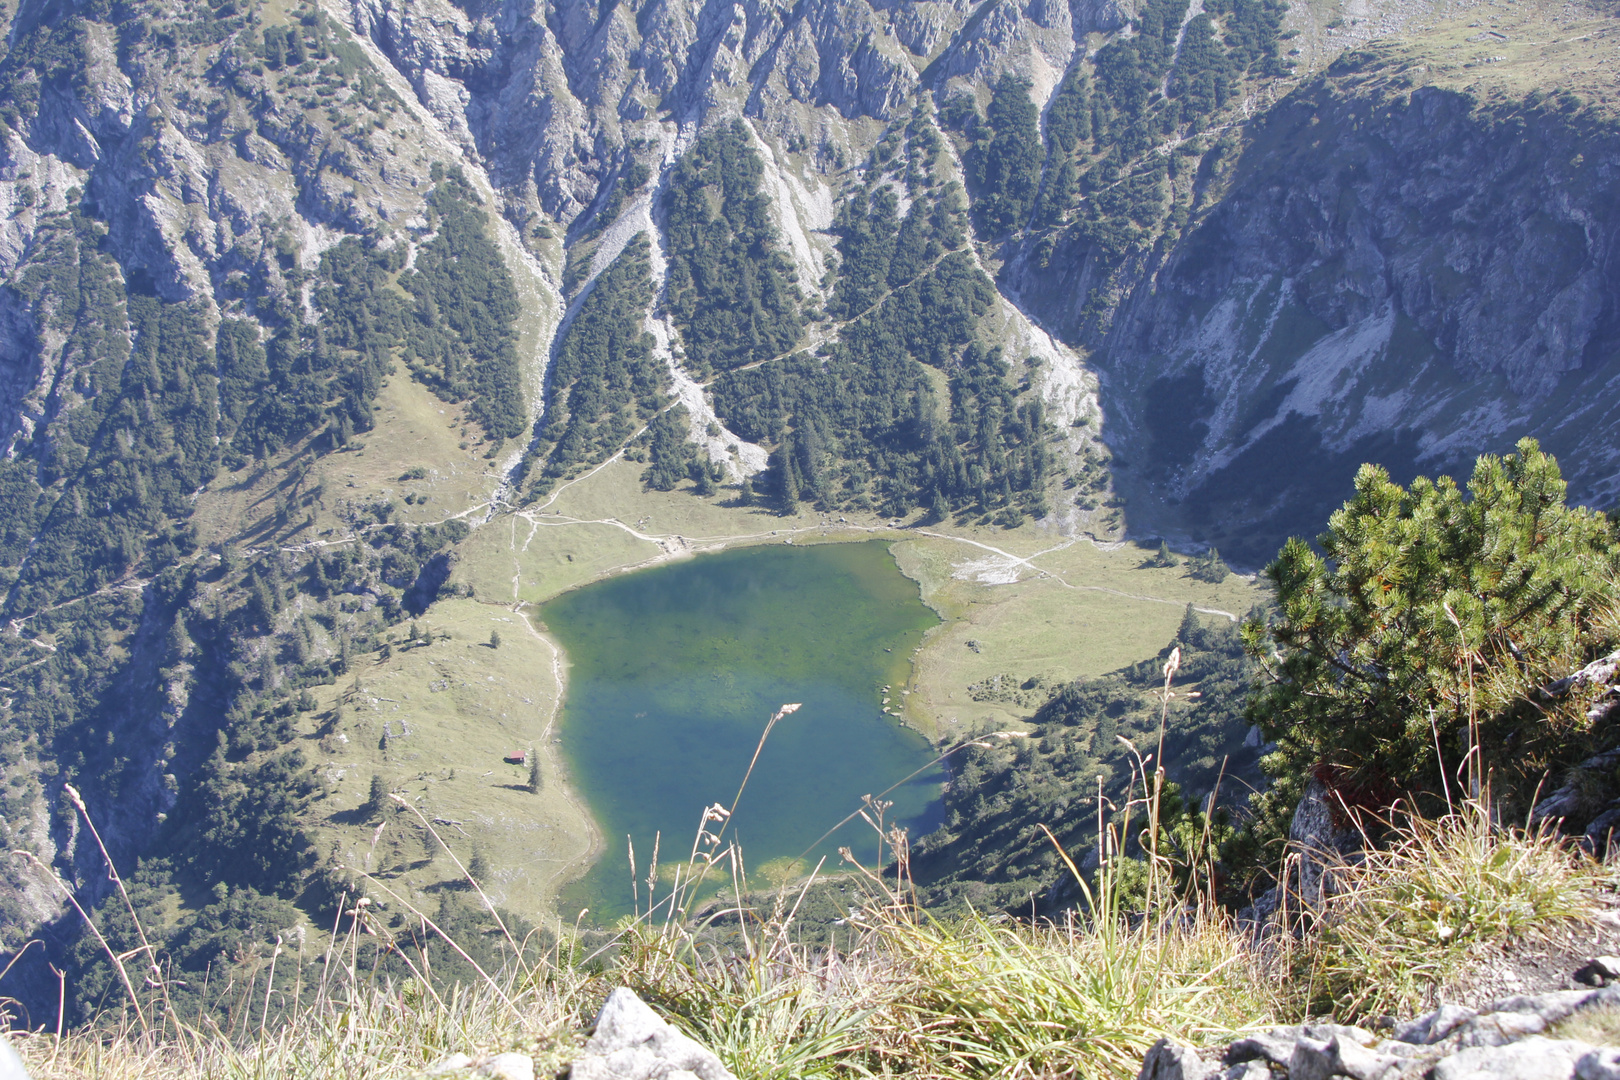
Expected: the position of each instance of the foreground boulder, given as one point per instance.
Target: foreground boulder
(11, 1066)
(1505, 1042)
(633, 1043)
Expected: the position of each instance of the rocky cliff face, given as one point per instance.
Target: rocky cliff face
(1387, 271)
(1384, 264)
(547, 94)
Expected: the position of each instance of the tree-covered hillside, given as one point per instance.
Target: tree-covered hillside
(906, 404)
(1092, 747)
(733, 293)
(1122, 162)
(604, 382)
(167, 679)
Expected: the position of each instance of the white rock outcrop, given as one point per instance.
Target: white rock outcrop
(631, 1042)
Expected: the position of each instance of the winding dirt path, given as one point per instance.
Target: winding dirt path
(1061, 580)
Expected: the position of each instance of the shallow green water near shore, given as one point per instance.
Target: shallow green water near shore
(673, 673)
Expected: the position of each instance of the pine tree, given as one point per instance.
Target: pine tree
(1422, 633)
(378, 799)
(790, 486)
(534, 773)
(179, 641)
(1190, 632)
(1208, 567)
(702, 476)
(478, 865)
(494, 639)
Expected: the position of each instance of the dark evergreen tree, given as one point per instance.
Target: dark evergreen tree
(1209, 567)
(668, 451)
(377, 798)
(1426, 626)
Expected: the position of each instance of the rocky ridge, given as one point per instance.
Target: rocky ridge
(1509, 1040)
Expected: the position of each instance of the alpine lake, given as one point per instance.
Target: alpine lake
(673, 673)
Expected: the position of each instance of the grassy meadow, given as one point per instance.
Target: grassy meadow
(973, 999)
(435, 721)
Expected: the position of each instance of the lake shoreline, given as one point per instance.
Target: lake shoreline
(668, 672)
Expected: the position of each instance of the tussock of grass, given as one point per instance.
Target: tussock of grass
(974, 998)
(1084, 999)
(795, 1016)
(378, 1031)
(1409, 914)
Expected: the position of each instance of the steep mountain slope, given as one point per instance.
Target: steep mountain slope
(1406, 260)
(300, 297)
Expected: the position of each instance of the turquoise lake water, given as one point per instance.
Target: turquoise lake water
(674, 671)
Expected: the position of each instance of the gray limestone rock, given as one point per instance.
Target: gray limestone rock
(449, 1064)
(1500, 1029)
(1348, 1032)
(1275, 1046)
(1431, 1027)
(1166, 1060)
(1601, 829)
(1450, 1043)
(1315, 1059)
(507, 1067)
(11, 1066)
(1602, 1064)
(1527, 1014)
(1319, 841)
(1533, 1058)
(632, 1042)
(1599, 672)
(1249, 1070)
